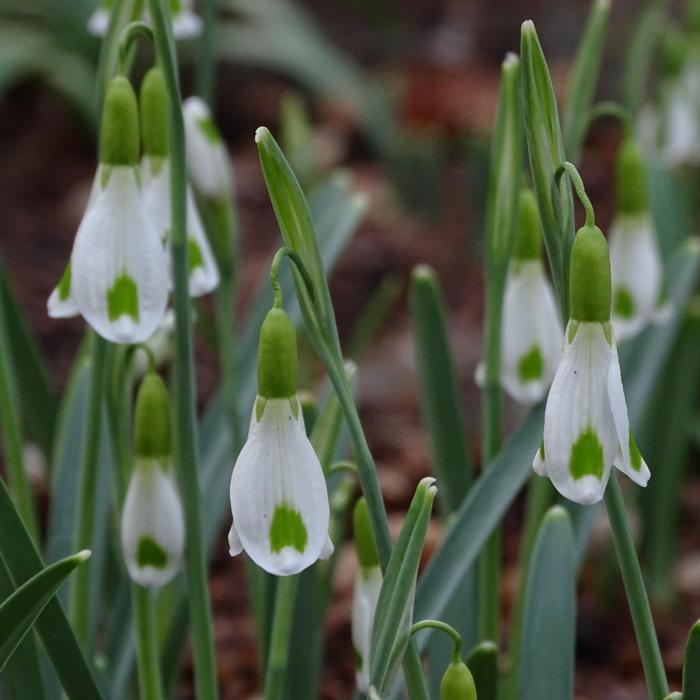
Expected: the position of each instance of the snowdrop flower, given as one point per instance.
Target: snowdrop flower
(186, 23)
(155, 177)
(279, 500)
(118, 270)
(152, 523)
(368, 583)
(586, 427)
(637, 271)
(531, 343)
(99, 20)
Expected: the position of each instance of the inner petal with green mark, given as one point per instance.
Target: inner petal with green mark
(358, 659)
(194, 255)
(64, 284)
(150, 553)
(635, 455)
(624, 303)
(587, 456)
(209, 130)
(287, 529)
(530, 365)
(123, 299)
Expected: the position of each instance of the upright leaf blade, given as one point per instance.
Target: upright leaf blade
(483, 663)
(691, 666)
(547, 660)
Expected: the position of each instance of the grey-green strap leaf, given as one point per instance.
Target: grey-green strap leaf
(483, 663)
(393, 616)
(19, 612)
(547, 660)
(584, 76)
(691, 666)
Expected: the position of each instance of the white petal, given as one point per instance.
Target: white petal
(629, 462)
(637, 273)
(578, 415)
(531, 344)
(155, 184)
(368, 584)
(186, 25)
(480, 375)
(60, 304)
(204, 277)
(235, 546)
(328, 549)
(98, 21)
(538, 463)
(116, 241)
(278, 492)
(207, 157)
(681, 134)
(152, 521)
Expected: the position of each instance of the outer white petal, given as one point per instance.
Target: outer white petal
(117, 237)
(207, 159)
(235, 546)
(618, 408)
(530, 324)
(278, 469)
(578, 402)
(328, 549)
(368, 583)
(538, 463)
(155, 185)
(98, 21)
(204, 278)
(152, 510)
(58, 307)
(187, 25)
(636, 270)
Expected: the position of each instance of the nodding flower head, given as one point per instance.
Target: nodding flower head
(186, 24)
(586, 427)
(279, 500)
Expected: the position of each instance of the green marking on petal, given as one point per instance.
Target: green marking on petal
(206, 124)
(260, 404)
(194, 255)
(287, 529)
(175, 6)
(635, 455)
(542, 450)
(587, 456)
(123, 299)
(150, 553)
(573, 327)
(531, 365)
(358, 659)
(64, 284)
(624, 303)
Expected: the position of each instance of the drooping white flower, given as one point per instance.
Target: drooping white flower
(279, 500)
(152, 521)
(207, 157)
(586, 426)
(186, 23)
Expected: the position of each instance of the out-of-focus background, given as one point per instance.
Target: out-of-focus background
(369, 74)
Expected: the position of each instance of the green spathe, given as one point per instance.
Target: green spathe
(587, 456)
(630, 180)
(528, 236)
(287, 529)
(364, 538)
(150, 553)
(589, 291)
(119, 136)
(123, 299)
(153, 101)
(152, 419)
(457, 683)
(277, 356)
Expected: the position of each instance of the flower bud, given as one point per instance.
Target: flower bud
(528, 235)
(154, 114)
(457, 683)
(589, 283)
(119, 138)
(277, 356)
(152, 421)
(630, 180)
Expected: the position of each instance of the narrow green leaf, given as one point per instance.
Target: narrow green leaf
(584, 76)
(691, 666)
(547, 660)
(392, 619)
(483, 663)
(546, 149)
(19, 612)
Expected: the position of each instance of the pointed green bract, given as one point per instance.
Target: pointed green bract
(590, 285)
(630, 180)
(150, 553)
(364, 539)
(587, 456)
(152, 419)
(287, 529)
(123, 299)
(277, 356)
(624, 303)
(530, 365)
(528, 235)
(154, 114)
(119, 136)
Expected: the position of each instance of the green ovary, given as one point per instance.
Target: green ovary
(624, 303)
(150, 553)
(123, 299)
(530, 365)
(587, 456)
(194, 255)
(287, 530)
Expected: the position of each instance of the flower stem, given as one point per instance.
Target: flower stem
(443, 627)
(207, 61)
(185, 423)
(150, 681)
(285, 597)
(637, 599)
(12, 434)
(570, 170)
(80, 591)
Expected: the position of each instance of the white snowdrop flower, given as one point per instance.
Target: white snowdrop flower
(586, 427)
(99, 20)
(185, 22)
(279, 500)
(118, 271)
(368, 584)
(152, 521)
(637, 270)
(207, 157)
(155, 177)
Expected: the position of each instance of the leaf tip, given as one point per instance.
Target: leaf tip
(83, 555)
(423, 274)
(260, 133)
